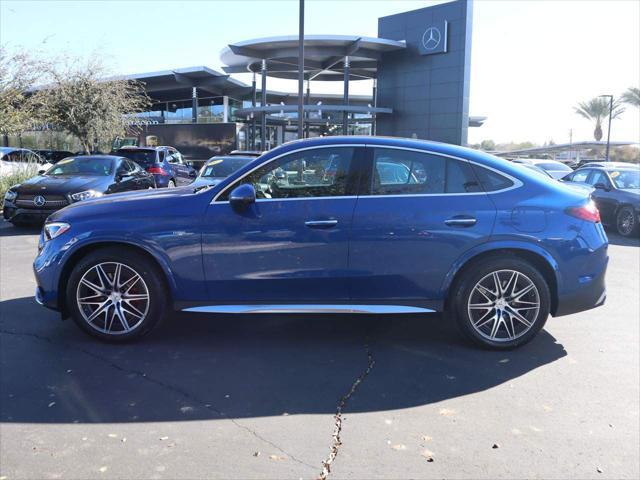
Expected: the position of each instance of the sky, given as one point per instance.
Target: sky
(532, 60)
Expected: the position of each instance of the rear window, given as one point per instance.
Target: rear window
(144, 158)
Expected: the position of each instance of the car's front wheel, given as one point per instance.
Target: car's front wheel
(627, 221)
(116, 295)
(501, 303)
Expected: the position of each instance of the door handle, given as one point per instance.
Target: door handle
(321, 223)
(460, 222)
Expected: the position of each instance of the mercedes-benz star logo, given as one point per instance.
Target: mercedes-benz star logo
(431, 38)
(39, 201)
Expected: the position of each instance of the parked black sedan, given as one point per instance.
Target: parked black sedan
(71, 180)
(616, 193)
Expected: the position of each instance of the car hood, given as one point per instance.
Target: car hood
(142, 203)
(63, 185)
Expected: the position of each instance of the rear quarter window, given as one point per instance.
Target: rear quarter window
(492, 181)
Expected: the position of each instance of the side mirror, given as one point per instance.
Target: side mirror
(601, 186)
(242, 196)
(41, 171)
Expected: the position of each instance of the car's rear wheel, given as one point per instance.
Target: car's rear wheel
(116, 295)
(501, 303)
(627, 221)
(171, 184)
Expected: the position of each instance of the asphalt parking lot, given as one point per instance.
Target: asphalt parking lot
(255, 397)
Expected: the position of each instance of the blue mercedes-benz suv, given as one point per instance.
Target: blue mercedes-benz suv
(339, 224)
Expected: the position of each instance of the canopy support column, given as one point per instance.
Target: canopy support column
(263, 103)
(345, 100)
(308, 102)
(194, 105)
(375, 105)
(253, 117)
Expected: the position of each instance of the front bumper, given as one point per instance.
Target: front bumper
(13, 213)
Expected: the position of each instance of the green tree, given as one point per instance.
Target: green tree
(632, 96)
(19, 72)
(597, 110)
(80, 100)
(488, 145)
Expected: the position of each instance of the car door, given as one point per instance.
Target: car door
(604, 195)
(290, 246)
(124, 179)
(417, 214)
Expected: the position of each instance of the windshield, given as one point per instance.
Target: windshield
(626, 179)
(144, 158)
(99, 167)
(561, 167)
(223, 167)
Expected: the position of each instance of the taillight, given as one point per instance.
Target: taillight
(588, 212)
(157, 170)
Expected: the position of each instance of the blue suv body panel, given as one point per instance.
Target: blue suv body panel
(387, 250)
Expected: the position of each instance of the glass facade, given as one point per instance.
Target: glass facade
(210, 110)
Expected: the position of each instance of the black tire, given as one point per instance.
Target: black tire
(627, 222)
(152, 284)
(464, 294)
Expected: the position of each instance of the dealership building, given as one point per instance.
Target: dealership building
(418, 66)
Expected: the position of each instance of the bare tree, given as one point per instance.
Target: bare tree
(19, 72)
(82, 101)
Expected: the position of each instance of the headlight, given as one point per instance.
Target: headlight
(76, 197)
(10, 195)
(55, 229)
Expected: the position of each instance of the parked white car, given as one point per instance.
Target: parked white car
(555, 169)
(16, 160)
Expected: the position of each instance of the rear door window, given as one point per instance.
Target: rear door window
(407, 172)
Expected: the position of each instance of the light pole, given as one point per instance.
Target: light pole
(301, 71)
(609, 126)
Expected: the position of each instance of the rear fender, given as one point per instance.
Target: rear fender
(497, 246)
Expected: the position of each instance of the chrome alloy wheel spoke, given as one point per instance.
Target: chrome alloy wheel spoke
(503, 305)
(113, 298)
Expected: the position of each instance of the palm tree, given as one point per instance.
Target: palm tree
(596, 110)
(632, 96)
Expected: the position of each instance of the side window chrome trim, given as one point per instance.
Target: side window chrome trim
(517, 183)
(263, 200)
(315, 147)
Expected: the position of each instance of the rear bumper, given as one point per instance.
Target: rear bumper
(590, 294)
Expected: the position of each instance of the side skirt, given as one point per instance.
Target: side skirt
(305, 308)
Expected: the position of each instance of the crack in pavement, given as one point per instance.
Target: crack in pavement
(337, 429)
(164, 385)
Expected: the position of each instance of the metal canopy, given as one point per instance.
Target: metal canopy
(324, 56)
(203, 78)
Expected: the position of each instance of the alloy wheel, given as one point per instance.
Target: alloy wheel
(503, 305)
(626, 222)
(113, 298)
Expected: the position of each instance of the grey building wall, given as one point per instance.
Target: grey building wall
(429, 94)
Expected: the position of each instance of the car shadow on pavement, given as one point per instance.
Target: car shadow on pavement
(197, 367)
